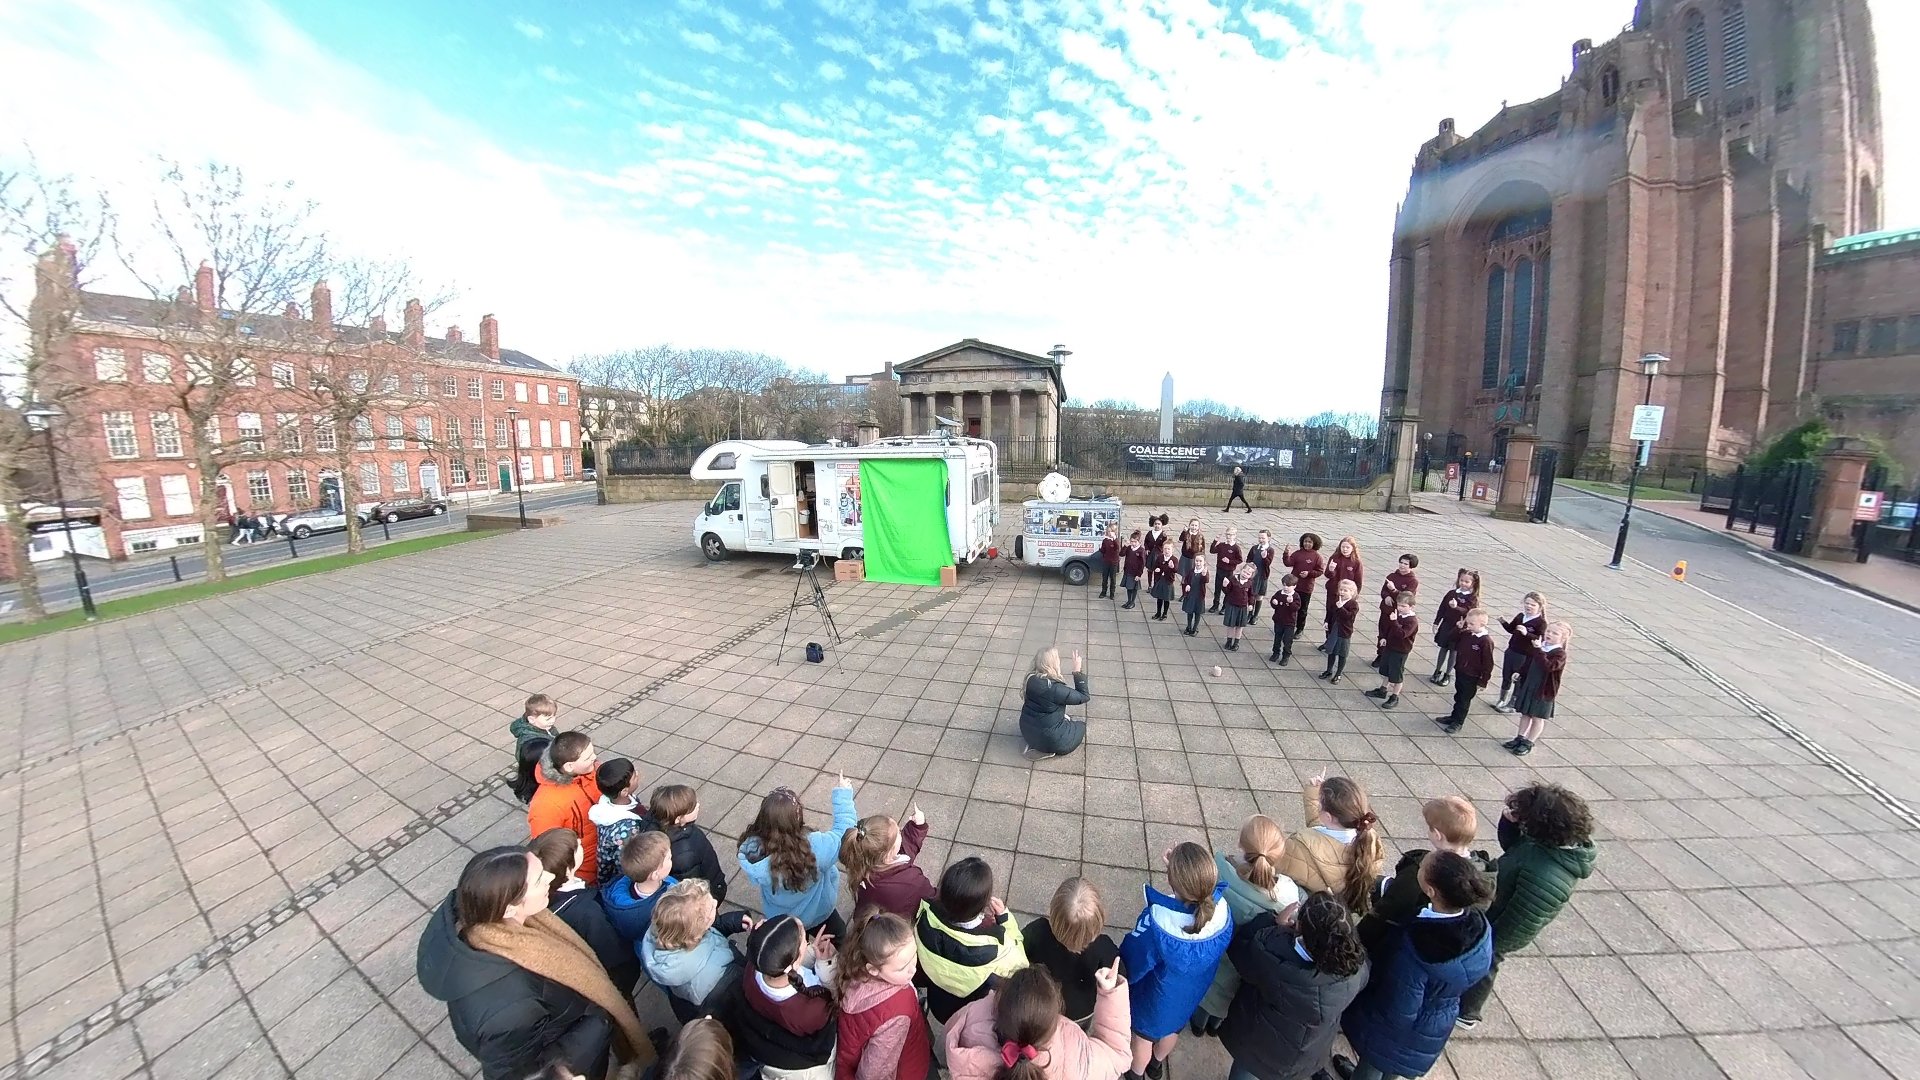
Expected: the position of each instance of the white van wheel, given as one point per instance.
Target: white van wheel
(713, 547)
(1077, 572)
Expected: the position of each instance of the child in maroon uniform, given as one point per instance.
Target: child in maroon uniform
(1194, 600)
(1546, 662)
(1133, 563)
(1402, 580)
(1342, 565)
(878, 856)
(1307, 565)
(882, 1030)
(1396, 644)
(1109, 562)
(1193, 543)
(1473, 666)
(1286, 606)
(1341, 615)
(1226, 559)
(1166, 569)
(1526, 626)
(1239, 601)
(1261, 555)
(1464, 597)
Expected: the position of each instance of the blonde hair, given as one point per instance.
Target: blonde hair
(1452, 817)
(1047, 662)
(1565, 628)
(1076, 914)
(540, 705)
(680, 918)
(1261, 844)
(1191, 872)
(1343, 799)
(1538, 598)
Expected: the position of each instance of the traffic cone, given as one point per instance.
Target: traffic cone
(1680, 571)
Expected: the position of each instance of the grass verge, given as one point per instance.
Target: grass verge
(1643, 491)
(186, 594)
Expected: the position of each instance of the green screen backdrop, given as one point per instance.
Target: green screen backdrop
(903, 510)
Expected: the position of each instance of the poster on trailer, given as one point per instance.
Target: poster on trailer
(848, 511)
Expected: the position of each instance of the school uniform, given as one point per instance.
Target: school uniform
(1261, 556)
(1166, 567)
(1446, 629)
(1133, 564)
(1109, 565)
(1396, 583)
(1473, 666)
(1307, 567)
(1239, 594)
(1226, 559)
(1520, 630)
(1286, 607)
(1340, 622)
(1541, 683)
(1074, 971)
(1193, 550)
(1398, 636)
(1341, 568)
(1194, 600)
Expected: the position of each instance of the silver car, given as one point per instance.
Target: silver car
(304, 523)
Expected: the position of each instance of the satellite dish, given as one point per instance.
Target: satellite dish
(1056, 488)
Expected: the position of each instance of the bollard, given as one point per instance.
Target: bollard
(1680, 571)
(384, 531)
(174, 561)
(293, 550)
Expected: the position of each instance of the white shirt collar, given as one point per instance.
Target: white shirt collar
(1428, 913)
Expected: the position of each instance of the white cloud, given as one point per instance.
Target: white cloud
(532, 31)
(831, 71)
(701, 40)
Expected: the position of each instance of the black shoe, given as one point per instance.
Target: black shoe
(1444, 679)
(1156, 1068)
(1392, 702)
(1286, 656)
(1378, 692)
(1193, 633)
(1327, 674)
(1344, 1066)
(1321, 647)
(1273, 658)
(661, 1039)
(1510, 743)
(1374, 663)
(1447, 724)
(1522, 750)
(1335, 681)
(1214, 610)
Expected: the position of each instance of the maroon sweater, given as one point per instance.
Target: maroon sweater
(1226, 558)
(1166, 568)
(1134, 561)
(1286, 608)
(1239, 593)
(1341, 568)
(1454, 607)
(1262, 558)
(1306, 565)
(1110, 551)
(1397, 582)
(1473, 657)
(1400, 633)
(1342, 617)
(1523, 631)
(1553, 663)
(898, 888)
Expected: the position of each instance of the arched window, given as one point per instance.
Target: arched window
(1520, 353)
(1496, 314)
(1733, 44)
(1869, 209)
(1610, 86)
(1696, 53)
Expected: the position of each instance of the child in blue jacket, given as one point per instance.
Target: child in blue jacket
(798, 872)
(1400, 1023)
(1172, 954)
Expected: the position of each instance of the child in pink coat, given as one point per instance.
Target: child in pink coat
(1018, 1030)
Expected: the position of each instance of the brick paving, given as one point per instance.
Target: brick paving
(227, 823)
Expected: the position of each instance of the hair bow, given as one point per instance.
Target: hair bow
(1011, 1052)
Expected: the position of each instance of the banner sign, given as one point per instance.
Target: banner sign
(1252, 457)
(1646, 422)
(1868, 508)
(1166, 454)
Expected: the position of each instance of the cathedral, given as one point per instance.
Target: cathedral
(1706, 187)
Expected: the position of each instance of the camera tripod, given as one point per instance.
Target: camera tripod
(809, 576)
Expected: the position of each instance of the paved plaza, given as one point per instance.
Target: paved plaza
(225, 824)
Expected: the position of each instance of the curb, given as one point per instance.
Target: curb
(1771, 556)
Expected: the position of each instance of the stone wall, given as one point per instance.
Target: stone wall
(1133, 491)
(643, 489)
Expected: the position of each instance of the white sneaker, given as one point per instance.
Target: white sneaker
(1033, 755)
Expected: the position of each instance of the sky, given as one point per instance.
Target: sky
(1205, 187)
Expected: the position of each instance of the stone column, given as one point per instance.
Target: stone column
(909, 411)
(1015, 445)
(1516, 476)
(1843, 470)
(1050, 428)
(986, 415)
(1404, 428)
(602, 455)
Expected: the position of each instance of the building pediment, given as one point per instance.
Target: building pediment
(974, 355)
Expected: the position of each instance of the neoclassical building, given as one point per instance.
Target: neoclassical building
(1010, 397)
(1696, 187)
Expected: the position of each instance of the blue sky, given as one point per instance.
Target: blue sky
(1200, 186)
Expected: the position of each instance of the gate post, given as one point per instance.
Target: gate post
(1516, 476)
(1843, 468)
(1403, 437)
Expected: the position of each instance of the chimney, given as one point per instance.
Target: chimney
(322, 306)
(379, 326)
(454, 337)
(292, 312)
(490, 336)
(59, 266)
(203, 287)
(415, 335)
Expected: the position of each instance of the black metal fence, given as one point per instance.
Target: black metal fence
(1667, 478)
(1779, 500)
(669, 460)
(1339, 463)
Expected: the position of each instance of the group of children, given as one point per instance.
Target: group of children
(1178, 568)
(1275, 947)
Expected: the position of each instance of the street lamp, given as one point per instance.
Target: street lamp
(41, 417)
(1649, 367)
(1426, 460)
(519, 481)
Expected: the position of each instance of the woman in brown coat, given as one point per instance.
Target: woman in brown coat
(1339, 848)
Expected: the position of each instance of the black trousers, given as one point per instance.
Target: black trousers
(1475, 999)
(1242, 496)
(1512, 665)
(1464, 690)
(1306, 602)
(1283, 638)
(1219, 587)
(1107, 576)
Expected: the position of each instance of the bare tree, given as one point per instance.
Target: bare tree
(60, 231)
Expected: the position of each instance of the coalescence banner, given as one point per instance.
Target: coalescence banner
(1177, 454)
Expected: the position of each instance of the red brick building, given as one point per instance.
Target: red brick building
(1680, 194)
(438, 422)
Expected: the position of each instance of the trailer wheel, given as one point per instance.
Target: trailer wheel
(1077, 572)
(856, 554)
(1020, 548)
(713, 547)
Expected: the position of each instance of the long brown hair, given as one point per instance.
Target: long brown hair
(780, 830)
(874, 936)
(702, 1051)
(1026, 1013)
(1191, 872)
(556, 849)
(1343, 800)
(864, 849)
(491, 882)
(1261, 844)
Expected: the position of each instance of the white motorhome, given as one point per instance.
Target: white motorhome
(789, 497)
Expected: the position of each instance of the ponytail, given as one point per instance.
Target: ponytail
(1261, 844)
(1347, 804)
(1191, 872)
(1027, 1011)
(864, 848)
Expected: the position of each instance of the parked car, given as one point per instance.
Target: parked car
(589, 475)
(304, 523)
(397, 509)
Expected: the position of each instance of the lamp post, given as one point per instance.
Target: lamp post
(41, 417)
(1649, 367)
(1426, 460)
(519, 481)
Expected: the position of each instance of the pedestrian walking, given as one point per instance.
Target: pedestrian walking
(1239, 491)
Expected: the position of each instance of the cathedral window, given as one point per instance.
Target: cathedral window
(1522, 337)
(1883, 335)
(1496, 316)
(1846, 338)
(1695, 38)
(1733, 45)
(1610, 86)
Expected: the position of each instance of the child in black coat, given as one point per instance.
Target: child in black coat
(673, 811)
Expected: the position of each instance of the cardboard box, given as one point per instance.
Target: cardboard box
(849, 570)
(949, 577)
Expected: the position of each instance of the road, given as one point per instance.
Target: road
(120, 579)
(1879, 635)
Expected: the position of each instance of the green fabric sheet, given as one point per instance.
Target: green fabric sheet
(903, 511)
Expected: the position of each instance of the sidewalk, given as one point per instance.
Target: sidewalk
(1892, 580)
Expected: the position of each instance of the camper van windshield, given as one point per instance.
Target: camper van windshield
(727, 499)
